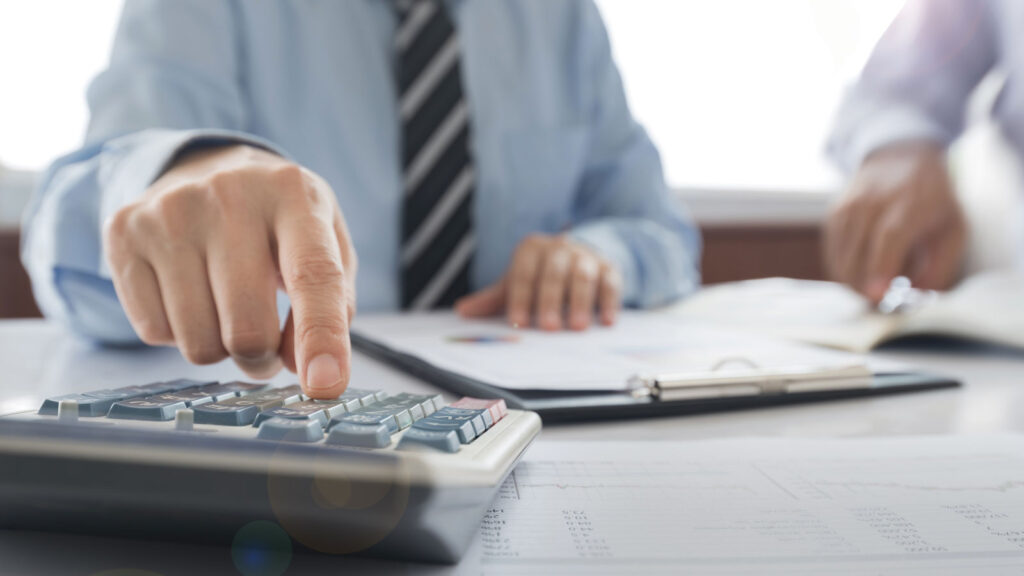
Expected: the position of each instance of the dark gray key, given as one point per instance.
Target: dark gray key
(220, 392)
(239, 388)
(355, 398)
(468, 424)
(319, 410)
(285, 430)
(242, 411)
(157, 408)
(174, 386)
(368, 418)
(359, 435)
(87, 405)
(419, 438)
(394, 412)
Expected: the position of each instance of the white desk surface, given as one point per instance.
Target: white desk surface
(38, 360)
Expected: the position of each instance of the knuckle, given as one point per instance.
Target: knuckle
(250, 343)
(323, 329)
(313, 270)
(202, 352)
(152, 333)
(178, 209)
(118, 228)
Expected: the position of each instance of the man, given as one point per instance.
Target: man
(901, 216)
(238, 148)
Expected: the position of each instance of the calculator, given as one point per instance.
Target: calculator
(403, 476)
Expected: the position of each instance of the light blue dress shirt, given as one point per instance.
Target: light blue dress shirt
(919, 79)
(555, 146)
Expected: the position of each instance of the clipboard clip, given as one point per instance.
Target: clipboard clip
(721, 382)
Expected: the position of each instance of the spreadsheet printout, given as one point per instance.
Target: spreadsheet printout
(928, 505)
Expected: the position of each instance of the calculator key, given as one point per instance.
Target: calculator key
(286, 430)
(468, 424)
(87, 406)
(497, 408)
(153, 408)
(462, 427)
(239, 388)
(368, 418)
(420, 438)
(224, 414)
(435, 403)
(175, 385)
(359, 435)
(242, 410)
(356, 398)
(95, 403)
(117, 394)
(318, 410)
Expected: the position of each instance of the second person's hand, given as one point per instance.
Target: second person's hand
(198, 260)
(559, 282)
(900, 217)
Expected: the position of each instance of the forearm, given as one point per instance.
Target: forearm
(917, 82)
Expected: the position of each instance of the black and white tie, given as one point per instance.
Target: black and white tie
(438, 241)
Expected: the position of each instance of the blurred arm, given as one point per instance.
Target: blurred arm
(625, 210)
(918, 80)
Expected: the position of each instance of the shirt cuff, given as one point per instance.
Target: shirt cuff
(857, 136)
(603, 238)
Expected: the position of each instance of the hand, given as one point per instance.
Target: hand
(197, 263)
(560, 281)
(901, 217)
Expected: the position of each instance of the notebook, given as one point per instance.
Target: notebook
(988, 307)
(648, 363)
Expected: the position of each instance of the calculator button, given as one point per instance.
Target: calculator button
(320, 411)
(87, 405)
(356, 398)
(242, 410)
(223, 414)
(239, 388)
(153, 408)
(419, 438)
(468, 424)
(285, 430)
(462, 427)
(496, 408)
(359, 435)
(368, 418)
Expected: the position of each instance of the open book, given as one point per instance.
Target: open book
(988, 307)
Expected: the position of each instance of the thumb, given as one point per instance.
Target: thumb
(487, 302)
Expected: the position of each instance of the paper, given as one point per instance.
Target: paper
(601, 358)
(938, 505)
(984, 307)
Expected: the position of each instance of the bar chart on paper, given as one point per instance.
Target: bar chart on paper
(928, 505)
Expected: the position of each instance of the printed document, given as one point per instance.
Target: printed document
(926, 505)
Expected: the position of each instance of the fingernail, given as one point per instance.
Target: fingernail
(551, 319)
(323, 373)
(877, 288)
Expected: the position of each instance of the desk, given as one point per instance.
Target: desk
(37, 360)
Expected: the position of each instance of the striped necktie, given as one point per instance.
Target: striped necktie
(438, 241)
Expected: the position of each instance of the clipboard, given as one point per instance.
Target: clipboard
(648, 396)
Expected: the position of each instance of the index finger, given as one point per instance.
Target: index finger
(888, 254)
(314, 276)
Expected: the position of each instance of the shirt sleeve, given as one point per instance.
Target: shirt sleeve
(917, 82)
(171, 85)
(624, 209)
